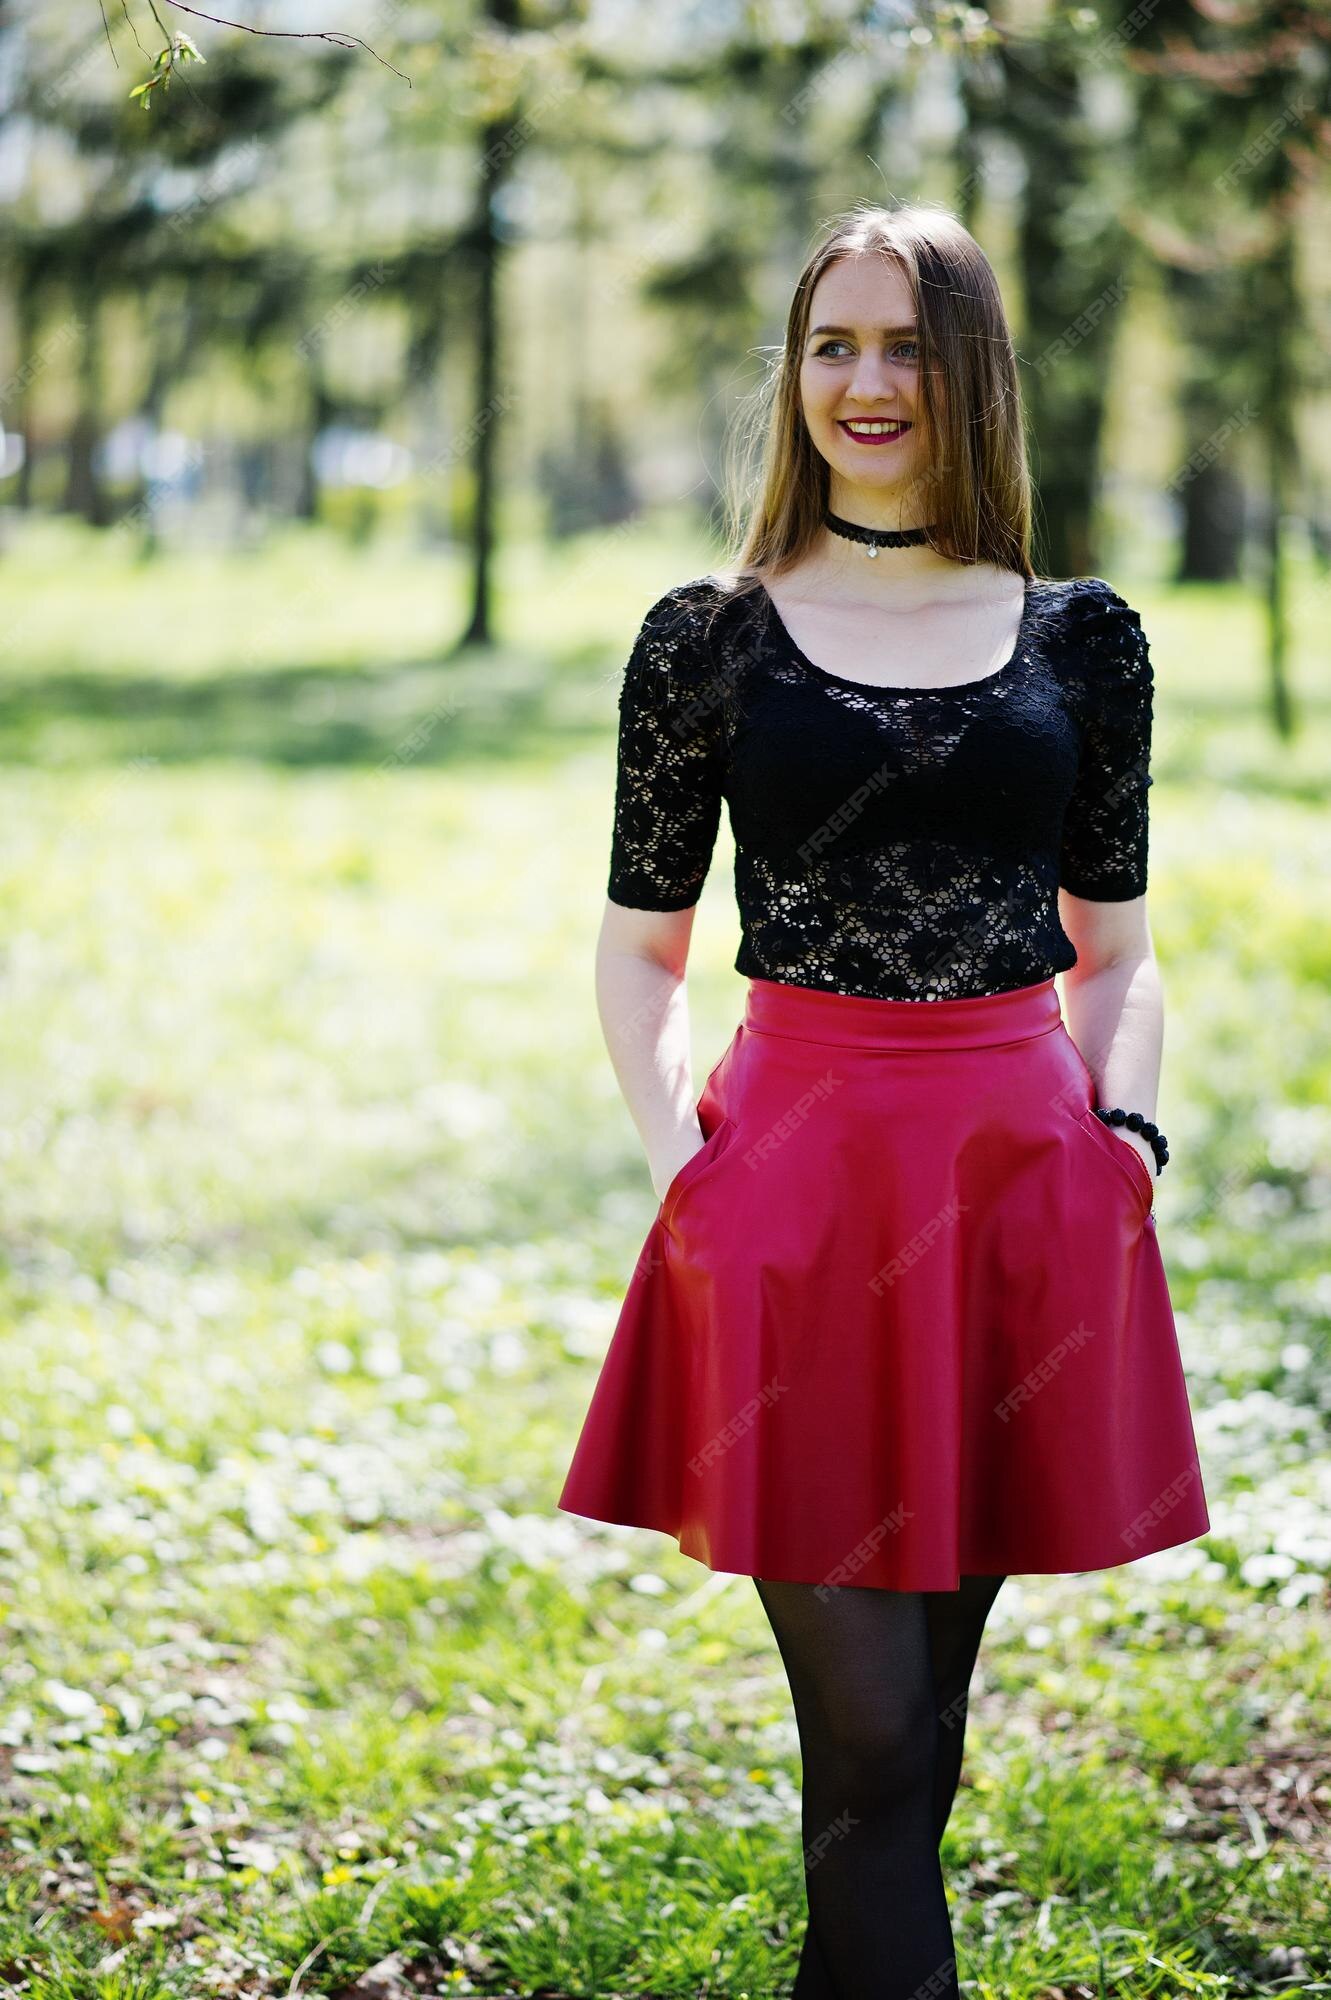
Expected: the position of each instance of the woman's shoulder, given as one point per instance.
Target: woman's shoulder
(690, 618)
(705, 594)
(683, 633)
(1098, 628)
(1090, 600)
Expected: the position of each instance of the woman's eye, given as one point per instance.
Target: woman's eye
(913, 345)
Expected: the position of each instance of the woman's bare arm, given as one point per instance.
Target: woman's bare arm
(1114, 1005)
(642, 1002)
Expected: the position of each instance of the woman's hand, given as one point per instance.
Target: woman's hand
(1114, 1008)
(664, 1170)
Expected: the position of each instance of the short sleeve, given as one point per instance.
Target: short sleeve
(1105, 827)
(670, 763)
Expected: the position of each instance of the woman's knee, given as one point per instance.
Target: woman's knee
(881, 1743)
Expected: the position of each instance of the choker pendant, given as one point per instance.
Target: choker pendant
(874, 539)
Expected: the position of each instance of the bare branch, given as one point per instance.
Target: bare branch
(106, 25)
(337, 36)
(129, 23)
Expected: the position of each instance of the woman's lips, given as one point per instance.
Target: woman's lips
(881, 437)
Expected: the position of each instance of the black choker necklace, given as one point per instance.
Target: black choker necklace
(876, 538)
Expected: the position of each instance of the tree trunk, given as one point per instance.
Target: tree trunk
(319, 409)
(498, 143)
(27, 307)
(1073, 257)
(83, 491)
(1279, 284)
(1213, 505)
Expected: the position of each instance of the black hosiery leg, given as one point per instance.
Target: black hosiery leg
(813, 1981)
(860, 1676)
(956, 1622)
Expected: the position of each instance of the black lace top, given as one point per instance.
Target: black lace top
(903, 843)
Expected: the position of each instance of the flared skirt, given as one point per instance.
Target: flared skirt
(903, 1316)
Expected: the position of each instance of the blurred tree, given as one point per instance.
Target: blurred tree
(1210, 486)
(1239, 110)
(499, 137)
(1075, 260)
(27, 327)
(149, 194)
(353, 250)
(173, 326)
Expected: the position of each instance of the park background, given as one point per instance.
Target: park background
(359, 394)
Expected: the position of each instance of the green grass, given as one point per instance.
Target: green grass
(320, 1200)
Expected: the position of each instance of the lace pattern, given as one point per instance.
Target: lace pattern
(896, 843)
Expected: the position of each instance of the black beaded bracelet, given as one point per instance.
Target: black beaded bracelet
(1136, 1123)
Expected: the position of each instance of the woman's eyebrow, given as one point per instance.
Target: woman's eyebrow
(912, 328)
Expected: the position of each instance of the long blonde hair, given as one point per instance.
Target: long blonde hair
(978, 475)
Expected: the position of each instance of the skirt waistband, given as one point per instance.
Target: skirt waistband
(810, 1013)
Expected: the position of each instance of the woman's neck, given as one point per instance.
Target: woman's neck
(845, 568)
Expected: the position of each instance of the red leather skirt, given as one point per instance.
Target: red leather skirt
(903, 1317)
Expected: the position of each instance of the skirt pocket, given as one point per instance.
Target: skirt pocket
(1127, 1159)
(695, 1167)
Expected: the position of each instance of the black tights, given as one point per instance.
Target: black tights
(879, 1680)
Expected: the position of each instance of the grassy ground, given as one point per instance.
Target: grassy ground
(320, 1202)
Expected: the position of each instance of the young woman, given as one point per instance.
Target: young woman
(901, 1326)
